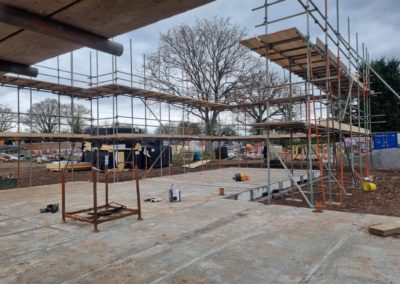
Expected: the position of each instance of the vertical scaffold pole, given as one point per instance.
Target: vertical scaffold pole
(72, 130)
(267, 85)
(359, 110)
(144, 71)
(91, 100)
(72, 112)
(367, 115)
(59, 113)
(365, 105)
(341, 173)
(161, 120)
(98, 116)
(291, 132)
(131, 81)
(329, 105)
(351, 104)
(169, 145)
(30, 140)
(113, 151)
(370, 116)
(19, 140)
(308, 108)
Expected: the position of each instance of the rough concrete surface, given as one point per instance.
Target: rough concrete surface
(203, 239)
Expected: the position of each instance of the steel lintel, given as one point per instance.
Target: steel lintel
(17, 68)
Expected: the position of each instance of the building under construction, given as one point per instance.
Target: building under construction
(134, 160)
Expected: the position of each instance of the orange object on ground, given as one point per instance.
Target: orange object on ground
(318, 207)
(241, 177)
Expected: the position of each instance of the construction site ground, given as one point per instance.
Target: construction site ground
(204, 238)
(384, 201)
(33, 174)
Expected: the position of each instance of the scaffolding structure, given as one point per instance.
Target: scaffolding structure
(116, 85)
(337, 86)
(334, 107)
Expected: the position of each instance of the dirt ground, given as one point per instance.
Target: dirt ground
(384, 201)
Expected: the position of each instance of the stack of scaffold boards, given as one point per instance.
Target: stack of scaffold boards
(196, 164)
(384, 230)
(59, 166)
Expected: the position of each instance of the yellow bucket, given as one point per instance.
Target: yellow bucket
(369, 186)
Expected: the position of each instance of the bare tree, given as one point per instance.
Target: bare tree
(76, 118)
(167, 129)
(43, 116)
(183, 127)
(254, 88)
(208, 56)
(7, 118)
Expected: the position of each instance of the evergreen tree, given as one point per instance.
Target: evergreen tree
(385, 102)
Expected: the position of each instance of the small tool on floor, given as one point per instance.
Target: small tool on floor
(153, 199)
(51, 208)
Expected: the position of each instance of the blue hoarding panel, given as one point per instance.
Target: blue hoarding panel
(379, 141)
(391, 140)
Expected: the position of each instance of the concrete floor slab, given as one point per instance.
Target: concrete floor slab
(204, 238)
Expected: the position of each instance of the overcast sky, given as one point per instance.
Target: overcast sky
(376, 21)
